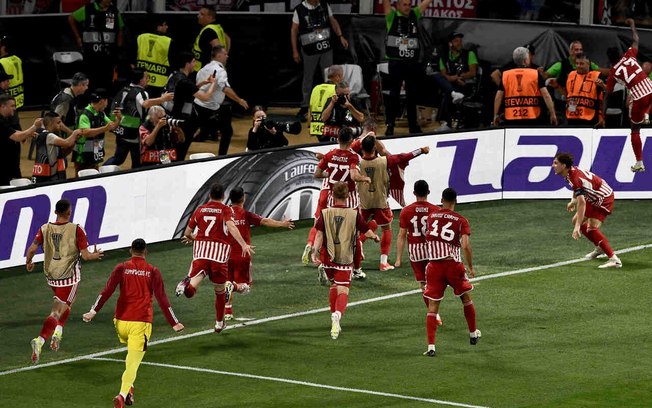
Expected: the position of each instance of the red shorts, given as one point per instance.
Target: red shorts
(339, 274)
(599, 213)
(419, 269)
(440, 274)
(65, 294)
(638, 109)
(382, 216)
(240, 270)
(216, 272)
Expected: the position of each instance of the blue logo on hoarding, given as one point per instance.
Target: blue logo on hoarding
(41, 208)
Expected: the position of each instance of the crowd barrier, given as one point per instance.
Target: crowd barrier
(156, 204)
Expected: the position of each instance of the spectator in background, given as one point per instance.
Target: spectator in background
(185, 91)
(402, 49)
(9, 137)
(97, 28)
(66, 102)
(558, 72)
(458, 68)
(320, 96)
(522, 89)
(313, 24)
(584, 95)
(51, 150)
(263, 134)
(211, 35)
(12, 66)
(339, 113)
(153, 55)
(94, 123)
(214, 113)
(497, 75)
(133, 102)
(158, 138)
(4, 89)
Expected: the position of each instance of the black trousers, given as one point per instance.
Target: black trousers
(122, 149)
(400, 71)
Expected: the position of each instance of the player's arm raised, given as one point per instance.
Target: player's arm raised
(632, 25)
(270, 222)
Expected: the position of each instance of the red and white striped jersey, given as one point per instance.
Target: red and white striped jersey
(212, 235)
(629, 73)
(338, 163)
(593, 188)
(445, 231)
(414, 219)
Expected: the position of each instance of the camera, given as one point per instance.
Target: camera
(293, 127)
(341, 99)
(174, 122)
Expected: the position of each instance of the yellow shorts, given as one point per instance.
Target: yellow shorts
(134, 334)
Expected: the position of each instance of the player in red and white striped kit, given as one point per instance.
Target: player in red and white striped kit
(629, 73)
(448, 232)
(211, 250)
(593, 201)
(338, 165)
(413, 223)
(239, 264)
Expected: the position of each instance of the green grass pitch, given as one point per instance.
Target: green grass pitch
(565, 336)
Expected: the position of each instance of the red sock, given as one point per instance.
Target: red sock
(341, 302)
(332, 297)
(584, 229)
(228, 309)
(431, 327)
(189, 291)
(64, 317)
(311, 236)
(385, 242)
(469, 314)
(600, 240)
(48, 327)
(220, 301)
(357, 256)
(637, 146)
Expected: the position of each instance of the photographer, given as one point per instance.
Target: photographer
(339, 112)
(159, 137)
(264, 134)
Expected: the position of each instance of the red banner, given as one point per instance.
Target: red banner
(441, 8)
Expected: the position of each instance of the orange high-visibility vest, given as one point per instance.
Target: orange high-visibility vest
(522, 94)
(583, 97)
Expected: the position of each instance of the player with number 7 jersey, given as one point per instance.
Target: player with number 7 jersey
(208, 229)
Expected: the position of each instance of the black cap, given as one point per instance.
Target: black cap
(530, 48)
(138, 245)
(454, 35)
(99, 94)
(4, 76)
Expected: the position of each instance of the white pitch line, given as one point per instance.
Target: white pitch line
(295, 382)
(304, 313)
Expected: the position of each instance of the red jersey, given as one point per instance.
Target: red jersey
(445, 230)
(414, 218)
(212, 239)
(338, 163)
(82, 243)
(396, 167)
(595, 190)
(629, 73)
(138, 281)
(244, 220)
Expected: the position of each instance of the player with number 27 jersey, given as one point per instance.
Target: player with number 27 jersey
(339, 163)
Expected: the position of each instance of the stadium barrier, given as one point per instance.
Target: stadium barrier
(155, 204)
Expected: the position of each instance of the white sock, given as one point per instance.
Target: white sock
(58, 329)
(123, 395)
(431, 347)
(41, 339)
(383, 259)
